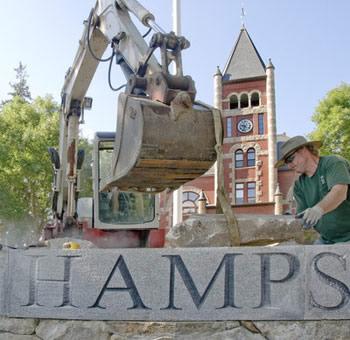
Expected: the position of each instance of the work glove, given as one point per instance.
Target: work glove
(311, 216)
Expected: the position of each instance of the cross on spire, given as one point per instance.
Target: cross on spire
(242, 14)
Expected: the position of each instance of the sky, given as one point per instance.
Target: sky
(308, 42)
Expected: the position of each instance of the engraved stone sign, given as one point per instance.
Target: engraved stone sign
(241, 283)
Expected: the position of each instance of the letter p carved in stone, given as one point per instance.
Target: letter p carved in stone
(266, 269)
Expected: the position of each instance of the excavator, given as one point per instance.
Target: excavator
(163, 137)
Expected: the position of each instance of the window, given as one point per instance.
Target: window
(261, 127)
(189, 199)
(233, 102)
(251, 192)
(118, 207)
(239, 193)
(244, 100)
(254, 100)
(251, 157)
(229, 127)
(239, 159)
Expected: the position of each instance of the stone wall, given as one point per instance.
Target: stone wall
(199, 231)
(35, 329)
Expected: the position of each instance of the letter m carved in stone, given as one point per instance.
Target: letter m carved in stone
(177, 262)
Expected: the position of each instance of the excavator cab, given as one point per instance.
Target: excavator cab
(117, 209)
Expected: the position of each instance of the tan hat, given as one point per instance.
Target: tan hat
(292, 145)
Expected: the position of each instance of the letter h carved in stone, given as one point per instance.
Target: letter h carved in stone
(35, 280)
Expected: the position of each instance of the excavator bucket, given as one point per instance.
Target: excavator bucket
(158, 146)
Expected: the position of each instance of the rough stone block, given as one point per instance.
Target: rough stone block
(205, 330)
(306, 330)
(17, 326)
(73, 330)
(10, 336)
(211, 230)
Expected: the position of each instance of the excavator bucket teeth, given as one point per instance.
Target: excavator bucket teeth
(157, 147)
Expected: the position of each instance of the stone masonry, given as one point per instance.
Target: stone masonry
(327, 285)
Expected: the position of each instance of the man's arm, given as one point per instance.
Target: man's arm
(334, 198)
(330, 202)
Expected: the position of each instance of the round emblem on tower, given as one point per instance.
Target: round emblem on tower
(245, 125)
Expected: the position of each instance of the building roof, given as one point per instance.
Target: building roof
(245, 61)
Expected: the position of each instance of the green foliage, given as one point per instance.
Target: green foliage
(86, 171)
(26, 130)
(332, 118)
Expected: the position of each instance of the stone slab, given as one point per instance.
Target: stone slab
(224, 283)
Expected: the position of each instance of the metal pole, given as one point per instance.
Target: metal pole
(177, 195)
(177, 17)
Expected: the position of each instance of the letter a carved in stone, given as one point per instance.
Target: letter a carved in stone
(130, 286)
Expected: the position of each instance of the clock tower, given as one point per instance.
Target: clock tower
(245, 92)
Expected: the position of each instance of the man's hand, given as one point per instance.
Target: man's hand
(311, 216)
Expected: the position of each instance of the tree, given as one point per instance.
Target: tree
(86, 170)
(26, 131)
(332, 118)
(21, 88)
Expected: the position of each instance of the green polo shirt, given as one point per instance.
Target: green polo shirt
(308, 191)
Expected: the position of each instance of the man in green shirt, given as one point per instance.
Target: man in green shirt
(321, 191)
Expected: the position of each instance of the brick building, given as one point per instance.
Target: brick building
(245, 93)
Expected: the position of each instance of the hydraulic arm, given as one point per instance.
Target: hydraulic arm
(163, 137)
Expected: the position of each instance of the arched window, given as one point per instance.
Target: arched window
(239, 159)
(254, 100)
(189, 202)
(233, 102)
(251, 157)
(244, 100)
